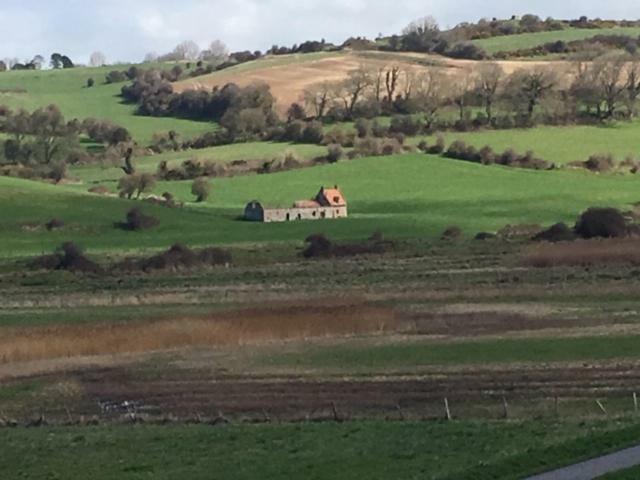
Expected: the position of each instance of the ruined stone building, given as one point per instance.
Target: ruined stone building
(328, 203)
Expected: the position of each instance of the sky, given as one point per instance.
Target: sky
(126, 30)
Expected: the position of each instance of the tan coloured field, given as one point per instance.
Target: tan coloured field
(289, 79)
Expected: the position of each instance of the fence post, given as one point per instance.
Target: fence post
(446, 409)
(599, 403)
(505, 407)
(635, 402)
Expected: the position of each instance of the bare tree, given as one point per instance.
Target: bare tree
(632, 86)
(150, 57)
(428, 93)
(460, 91)
(317, 98)
(187, 50)
(391, 82)
(97, 59)
(488, 82)
(216, 53)
(601, 85)
(527, 88)
(354, 87)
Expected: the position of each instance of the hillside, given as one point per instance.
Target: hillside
(68, 90)
(508, 43)
(405, 196)
(290, 75)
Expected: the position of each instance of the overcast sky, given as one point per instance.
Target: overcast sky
(126, 30)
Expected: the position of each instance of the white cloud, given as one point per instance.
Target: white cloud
(127, 29)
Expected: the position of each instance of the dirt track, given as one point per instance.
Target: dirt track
(291, 397)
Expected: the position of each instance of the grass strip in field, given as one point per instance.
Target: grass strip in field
(373, 450)
(409, 355)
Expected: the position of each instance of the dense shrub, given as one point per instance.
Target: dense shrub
(319, 246)
(136, 221)
(560, 232)
(600, 163)
(406, 124)
(179, 257)
(335, 153)
(452, 233)
(69, 257)
(313, 133)
(201, 188)
(438, 147)
(601, 222)
(54, 224)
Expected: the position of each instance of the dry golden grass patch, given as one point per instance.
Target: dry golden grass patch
(584, 252)
(247, 327)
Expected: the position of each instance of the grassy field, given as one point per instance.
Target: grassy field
(530, 40)
(67, 89)
(559, 144)
(223, 154)
(488, 351)
(405, 196)
(629, 474)
(374, 450)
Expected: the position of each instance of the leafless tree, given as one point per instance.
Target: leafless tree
(391, 82)
(460, 90)
(428, 93)
(217, 52)
(354, 88)
(318, 98)
(97, 59)
(187, 50)
(632, 86)
(488, 81)
(527, 88)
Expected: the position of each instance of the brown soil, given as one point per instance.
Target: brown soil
(288, 82)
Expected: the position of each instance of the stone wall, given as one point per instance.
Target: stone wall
(293, 214)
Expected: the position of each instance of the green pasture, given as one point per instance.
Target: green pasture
(374, 450)
(404, 196)
(68, 90)
(521, 41)
(559, 145)
(425, 353)
(224, 154)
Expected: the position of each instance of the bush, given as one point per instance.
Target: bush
(90, 82)
(313, 133)
(600, 163)
(603, 223)
(405, 124)
(560, 232)
(335, 153)
(201, 188)
(136, 221)
(451, 233)
(54, 224)
(363, 127)
(136, 184)
(438, 147)
(180, 257)
(116, 76)
(319, 246)
(69, 257)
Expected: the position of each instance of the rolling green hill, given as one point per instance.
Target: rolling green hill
(560, 145)
(510, 43)
(406, 196)
(68, 90)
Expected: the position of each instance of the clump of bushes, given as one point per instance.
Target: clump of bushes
(600, 163)
(179, 257)
(603, 223)
(68, 257)
(452, 233)
(136, 221)
(201, 188)
(459, 150)
(560, 232)
(335, 153)
(54, 224)
(319, 246)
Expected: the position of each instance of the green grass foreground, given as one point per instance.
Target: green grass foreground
(406, 196)
(372, 450)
